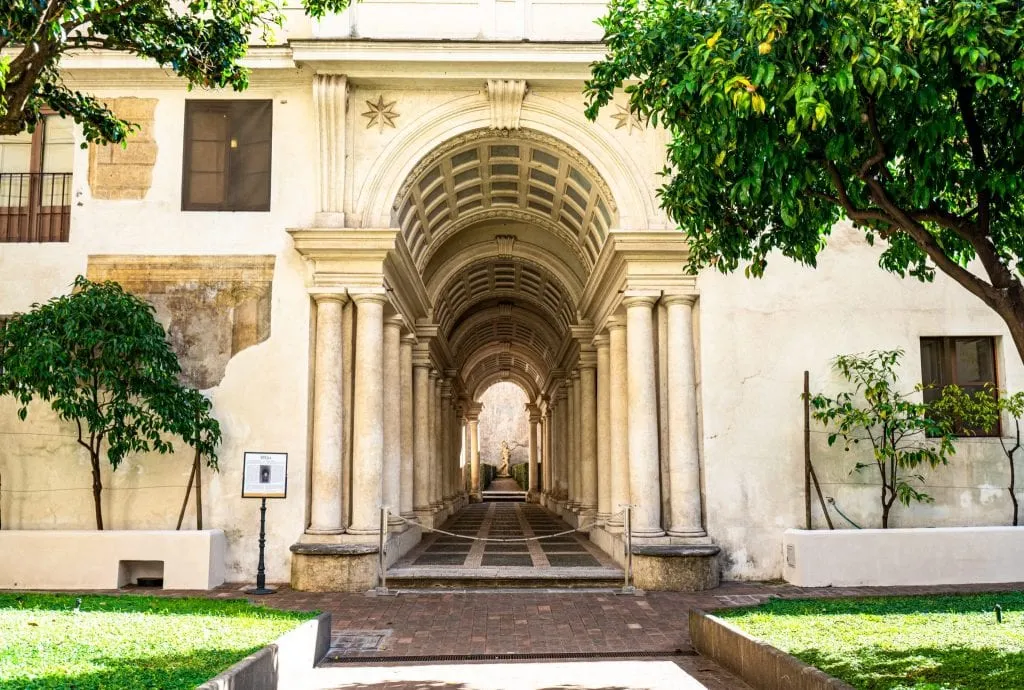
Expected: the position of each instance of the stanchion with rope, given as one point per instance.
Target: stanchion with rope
(382, 588)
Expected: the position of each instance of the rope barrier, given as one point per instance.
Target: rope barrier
(500, 540)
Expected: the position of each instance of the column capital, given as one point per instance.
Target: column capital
(434, 374)
(642, 299)
(369, 297)
(395, 321)
(575, 374)
(409, 338)
(686, 300)
(588, 358)
(330, 296)
(602, 341)
(615, 323)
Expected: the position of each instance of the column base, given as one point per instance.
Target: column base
(696, 534)
(345, 563)
(664, 564)
(313, 530)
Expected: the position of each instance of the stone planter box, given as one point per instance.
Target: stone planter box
(758, 663)
(892, 557)
(81, 559)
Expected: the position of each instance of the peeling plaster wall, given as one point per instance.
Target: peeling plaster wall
(756, 339)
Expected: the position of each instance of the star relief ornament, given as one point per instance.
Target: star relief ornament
(380, 114)
(625, 118)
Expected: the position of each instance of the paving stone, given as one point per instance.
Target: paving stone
(440, 559)
(571, 560)
(507, 560)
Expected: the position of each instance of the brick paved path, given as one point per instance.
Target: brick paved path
(425, 624)
(421, 624)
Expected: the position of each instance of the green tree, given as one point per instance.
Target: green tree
(102, 361)
(201, 41)
(981, 410)
(902, 433)
(903, 116)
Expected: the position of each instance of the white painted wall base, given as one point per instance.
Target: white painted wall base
(890, 557)
(79, 559)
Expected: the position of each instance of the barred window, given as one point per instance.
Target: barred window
(227, 155)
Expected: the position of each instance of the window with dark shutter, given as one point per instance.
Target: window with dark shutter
(968, 362)
(227, 155)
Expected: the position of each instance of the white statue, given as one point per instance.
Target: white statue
(506, 454)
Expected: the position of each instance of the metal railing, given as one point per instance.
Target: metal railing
(35, 207)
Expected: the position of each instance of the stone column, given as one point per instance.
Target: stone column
(408, 424)
(642, 404)
(573, 469)
(473, 419)
(392, 479)
(545, 446)
(531, 481)
(618, 439)
(684, 461)
(421, 438)
(562, 428)
(368, 414)
(326, 515)
(445, 437)
(604, 467)
(587, 464)
(434, 396)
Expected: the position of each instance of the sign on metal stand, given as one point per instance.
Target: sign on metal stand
(264, 475)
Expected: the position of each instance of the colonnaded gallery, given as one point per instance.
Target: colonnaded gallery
(406, 207)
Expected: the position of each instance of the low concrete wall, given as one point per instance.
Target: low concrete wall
(74, 559)
(889, 557)
(759, 664)
(283, 664)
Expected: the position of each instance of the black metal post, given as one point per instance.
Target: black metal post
(261, 573)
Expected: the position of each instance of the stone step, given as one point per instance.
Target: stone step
(518, 496)
(425, 577)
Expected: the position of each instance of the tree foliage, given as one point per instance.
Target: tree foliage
(903, 434)
(201, 41)
(102, 361)
(787, 115)
(982, 410)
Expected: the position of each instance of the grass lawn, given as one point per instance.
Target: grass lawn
(899, 642)
(115, 642)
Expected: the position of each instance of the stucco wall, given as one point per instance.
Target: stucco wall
(756, 339)
(262, 400)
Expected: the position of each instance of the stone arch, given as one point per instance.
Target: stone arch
(637, 208)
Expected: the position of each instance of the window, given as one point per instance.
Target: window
(227, 156)
(35, 182)
(970, 363)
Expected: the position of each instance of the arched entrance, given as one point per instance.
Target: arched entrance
(506, 261)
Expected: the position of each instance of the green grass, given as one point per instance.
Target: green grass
(115, 642)
(932, 643)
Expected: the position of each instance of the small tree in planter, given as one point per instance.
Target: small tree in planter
(102, 361)
(902, 433)
(980, 410)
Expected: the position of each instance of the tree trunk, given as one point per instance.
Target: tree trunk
(1013, 496)
(97, 488)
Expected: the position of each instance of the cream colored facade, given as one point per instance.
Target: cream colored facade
(443, 217)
